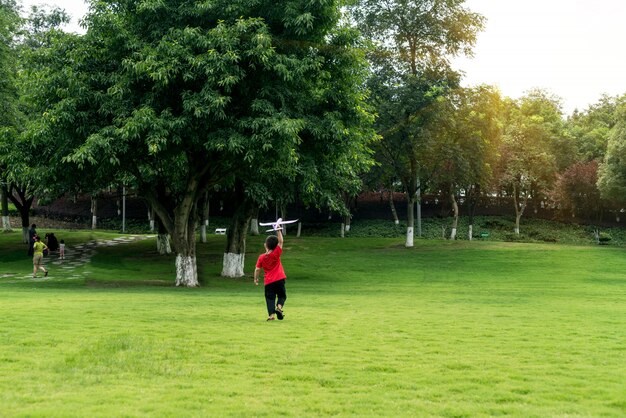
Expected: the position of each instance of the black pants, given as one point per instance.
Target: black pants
(273, 290)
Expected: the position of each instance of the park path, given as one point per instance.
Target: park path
(75, 257)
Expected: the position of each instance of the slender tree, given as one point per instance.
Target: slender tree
(527, 165)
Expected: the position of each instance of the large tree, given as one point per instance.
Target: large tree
(332, 152)
(179, 96)
(612, 171)
(26, 159)
(413, 41)
(527, 165)
(480, 129)
(9, 24)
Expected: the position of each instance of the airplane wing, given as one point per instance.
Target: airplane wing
(266, 223)
(288, 222)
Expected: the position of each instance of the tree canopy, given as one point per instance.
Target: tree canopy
(174, 97)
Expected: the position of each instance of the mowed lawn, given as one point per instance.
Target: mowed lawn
(371, 329)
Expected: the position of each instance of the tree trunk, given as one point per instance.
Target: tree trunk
(179, 217)
(163, 239)
(473, 192)
(254, 223)
(151, 218)
(204, 222)
(234, 256)
(394, 213)
(283, 214)
(163, 244)
(299, 229)
(455, 211)
(410, 187)
(519, 207)
(23, 204)
(94, 212)
(184, 241)
(410, 220)
(186, 270)
(418, 202)
(6, 222)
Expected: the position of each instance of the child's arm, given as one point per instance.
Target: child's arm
(257, 271)
(279, 233)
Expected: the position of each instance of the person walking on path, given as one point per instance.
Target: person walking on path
(32, 233)
(38, 249)
(274, 278)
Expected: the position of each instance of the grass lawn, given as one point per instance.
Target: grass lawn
(371, 329)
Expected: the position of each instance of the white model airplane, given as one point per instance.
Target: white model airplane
(277, 225)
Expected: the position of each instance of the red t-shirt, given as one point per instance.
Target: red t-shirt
(271, 265)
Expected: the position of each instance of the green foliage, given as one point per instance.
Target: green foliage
(499, 229)
(604, 238)
(612, 172)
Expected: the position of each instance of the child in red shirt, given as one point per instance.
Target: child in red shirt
(274, 279)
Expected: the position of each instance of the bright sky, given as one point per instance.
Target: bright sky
(75, 8)
(573, 48)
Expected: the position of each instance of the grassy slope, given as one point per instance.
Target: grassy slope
(372, 329)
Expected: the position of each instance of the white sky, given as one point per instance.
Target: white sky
(573, 48)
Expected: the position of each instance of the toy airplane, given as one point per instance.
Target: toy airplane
(277, 225)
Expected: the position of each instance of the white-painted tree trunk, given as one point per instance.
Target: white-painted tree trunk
(203, 229)
(455, 209)
(151, 219)
(343, 230)
(392, 205)
(299, 229)
(254, 226)
(471, 232)
(233, 265)
(517, 230)
(6, 224)
(94, 212)
(163, 244)
(186, 271)
(409, 237)
(348, 228)
(25, 234)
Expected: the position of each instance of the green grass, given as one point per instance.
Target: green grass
(372, 329)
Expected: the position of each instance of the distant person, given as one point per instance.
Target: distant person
(52, 242)
(32, 233)
(62, 250)
(274, 278)
(38, 249)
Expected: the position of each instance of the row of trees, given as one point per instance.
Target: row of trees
(471, 142)
(306, 100)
